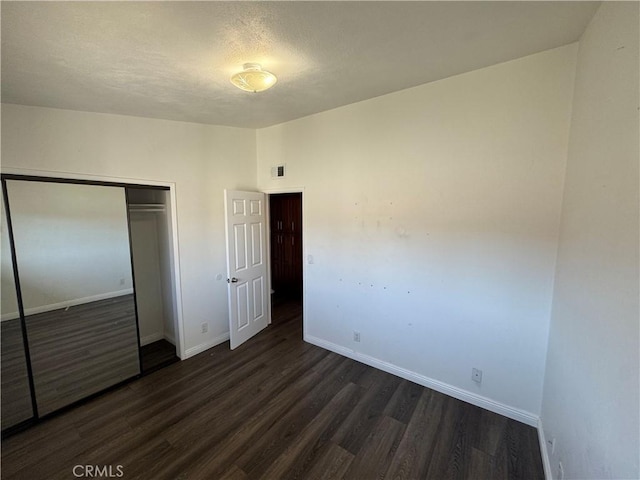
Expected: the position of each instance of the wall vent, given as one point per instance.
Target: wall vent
(277, 171)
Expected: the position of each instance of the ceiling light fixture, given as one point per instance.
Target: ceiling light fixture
(253, 78)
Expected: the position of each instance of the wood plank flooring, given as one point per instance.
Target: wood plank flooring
(157, 355)
(14, 388)
(75, 353)
(275, 408)
(82, 350)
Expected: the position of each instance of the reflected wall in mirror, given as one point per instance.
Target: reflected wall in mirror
(74, 263)
(15, 392)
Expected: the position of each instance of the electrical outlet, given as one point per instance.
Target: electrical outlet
(122, 281)
(476, 375)
(205, 327)
(356, 336)
(560, 471)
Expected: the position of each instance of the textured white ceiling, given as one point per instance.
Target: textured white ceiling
(173, 60)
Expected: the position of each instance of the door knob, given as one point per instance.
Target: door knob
(233, 280)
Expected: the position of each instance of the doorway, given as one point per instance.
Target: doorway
(285, 222)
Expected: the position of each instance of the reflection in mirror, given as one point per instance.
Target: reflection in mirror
(72, 248)
(14, 390)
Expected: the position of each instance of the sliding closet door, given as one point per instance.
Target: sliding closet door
(74, 263)
(16, 405)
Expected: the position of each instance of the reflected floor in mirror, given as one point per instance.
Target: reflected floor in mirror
(81, 350)
(16, 396)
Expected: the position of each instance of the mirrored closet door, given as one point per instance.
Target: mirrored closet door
(17, 404)
(74, 265)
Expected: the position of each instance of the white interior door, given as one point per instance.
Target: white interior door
(246, 264)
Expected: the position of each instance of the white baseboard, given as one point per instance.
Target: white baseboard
(464, 395)
(9, 316)
(546, 462)
(190, 352)
(154, 337)
(66, 303)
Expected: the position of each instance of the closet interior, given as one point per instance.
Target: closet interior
(88, 296)
(150, 228)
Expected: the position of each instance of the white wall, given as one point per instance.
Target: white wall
(202, 160)
(432, 217)
(591, 392)
(72, 244)
(146, 264)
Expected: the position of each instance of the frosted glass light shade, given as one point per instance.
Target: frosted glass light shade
(253, 78)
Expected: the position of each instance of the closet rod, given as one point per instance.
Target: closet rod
(144, 210)
(147, 207)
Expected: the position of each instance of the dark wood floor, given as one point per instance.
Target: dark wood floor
(275, 408)
(82, 350)
(14, 389)
(284, 309)
(75, 352)
(157, 355)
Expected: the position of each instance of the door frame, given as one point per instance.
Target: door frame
(172, 206)
(275, 191)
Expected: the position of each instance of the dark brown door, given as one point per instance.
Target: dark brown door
(286, 244)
